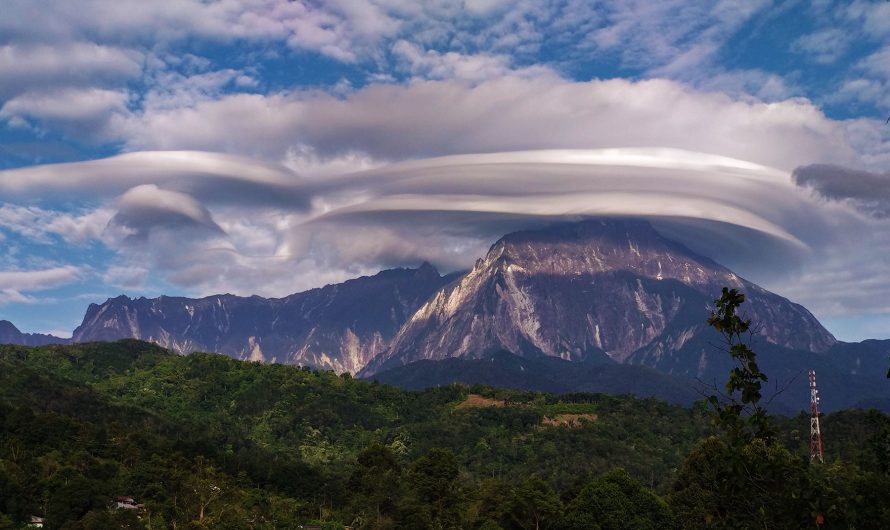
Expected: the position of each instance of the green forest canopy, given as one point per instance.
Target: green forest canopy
(206, 441)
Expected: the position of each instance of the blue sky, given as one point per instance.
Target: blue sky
(269, 146)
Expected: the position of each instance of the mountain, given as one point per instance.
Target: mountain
(339, 327)
(581, 291)
(544, 374)
(9, 334)
(562, 309)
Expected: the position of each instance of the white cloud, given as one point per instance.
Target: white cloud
(825, 46)
(672, 36)
(38, 66)
(39, 224)
(337, 28)
(431, 64)
(429, 118)
(14, 296)
(304, 160)
(84, 113)
(172, 90)
(128, 277)
(760, 85)
(641, 34)
(877, 64)
(38, 280)
(871, 139)
(873, 17)
(214, 177)
(147, 207)
(861, 90)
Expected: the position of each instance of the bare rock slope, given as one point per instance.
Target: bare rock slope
(584, 290)
(338, 327)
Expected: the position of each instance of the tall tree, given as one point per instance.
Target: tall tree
(739, 413)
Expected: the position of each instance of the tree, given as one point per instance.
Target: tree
(493, 503)
(535, 505)
(740, 415)
(757, 485)
(73, 495)
(375, 484)
(434, 495)
(743, 477)
(205, 489)
(614, 501)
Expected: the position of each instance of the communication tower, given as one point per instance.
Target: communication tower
(815, 433)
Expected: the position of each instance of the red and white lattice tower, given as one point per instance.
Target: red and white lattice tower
(815, 433)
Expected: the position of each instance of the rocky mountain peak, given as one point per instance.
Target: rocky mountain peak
(583, 290)
(426, 269)
(599, 246)
(7, 327)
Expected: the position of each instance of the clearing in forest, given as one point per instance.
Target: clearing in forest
(477, 401)
(572, 421)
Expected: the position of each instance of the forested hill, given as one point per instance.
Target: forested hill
(204, 441)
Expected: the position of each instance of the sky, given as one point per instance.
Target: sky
(270, 146)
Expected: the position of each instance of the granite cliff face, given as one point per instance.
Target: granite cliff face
(338, 327)
(586, 290)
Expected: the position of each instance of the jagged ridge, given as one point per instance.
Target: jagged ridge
(339, 327)
(577, 290)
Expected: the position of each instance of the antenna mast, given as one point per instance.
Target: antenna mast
(815, 433)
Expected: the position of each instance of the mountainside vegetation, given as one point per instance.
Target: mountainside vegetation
(205, 441)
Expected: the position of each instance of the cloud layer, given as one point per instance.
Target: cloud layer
(172, 215)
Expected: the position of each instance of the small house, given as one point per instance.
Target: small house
(125, 502)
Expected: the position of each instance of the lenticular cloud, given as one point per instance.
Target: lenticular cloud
(447, 210)
(681, 190)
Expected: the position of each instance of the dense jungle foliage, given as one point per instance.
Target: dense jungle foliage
(204, 441)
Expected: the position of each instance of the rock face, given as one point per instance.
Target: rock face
(584, 290)
(609, 290)
(9, 334)
(338, 327)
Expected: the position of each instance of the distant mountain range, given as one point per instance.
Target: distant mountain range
(9, 334)
(338, 327)
(603, 305)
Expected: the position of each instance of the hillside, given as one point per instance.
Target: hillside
(129, 418)
(544, 374)
(274, 446)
